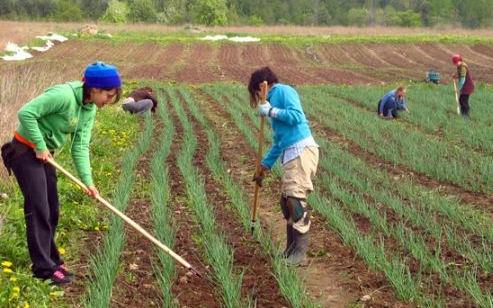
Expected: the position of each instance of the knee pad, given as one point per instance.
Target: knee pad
(284, 207)
(295, 208)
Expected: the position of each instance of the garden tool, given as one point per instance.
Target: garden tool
(128, 220)
(456, 97)
(258, 168)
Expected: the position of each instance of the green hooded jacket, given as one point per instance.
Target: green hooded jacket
(48, 119)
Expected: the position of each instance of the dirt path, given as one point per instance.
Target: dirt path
(258, 282)
(189, 290)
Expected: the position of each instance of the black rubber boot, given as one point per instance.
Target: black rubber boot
(289, 241)
(298, 254)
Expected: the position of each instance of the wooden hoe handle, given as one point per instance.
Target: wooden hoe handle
(456, 97)
(258, 166)
(128, 220)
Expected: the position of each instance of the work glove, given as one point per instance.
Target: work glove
(263, 109)
(264, 171)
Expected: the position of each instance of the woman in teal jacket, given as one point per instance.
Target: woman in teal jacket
(44, 125)
(294, 144)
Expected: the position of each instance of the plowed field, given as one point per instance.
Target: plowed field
(336, 276)
(347, 63)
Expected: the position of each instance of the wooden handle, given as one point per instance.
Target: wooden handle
(456, 97)
(126, 219)
(258, 166)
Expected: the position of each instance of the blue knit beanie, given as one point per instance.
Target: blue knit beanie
(101, 75)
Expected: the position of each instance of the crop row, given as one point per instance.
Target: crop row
(435, 230)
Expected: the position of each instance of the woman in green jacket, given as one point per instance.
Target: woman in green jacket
(45, 123)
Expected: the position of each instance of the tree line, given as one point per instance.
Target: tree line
(404, 13)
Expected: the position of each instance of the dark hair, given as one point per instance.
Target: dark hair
(87, 93)
(146, 88)
(258, 76)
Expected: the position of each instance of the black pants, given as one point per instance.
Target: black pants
(464, 104)
(38, 183)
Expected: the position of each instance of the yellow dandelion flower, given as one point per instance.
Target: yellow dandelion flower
(13, 279)
(96, 228)
(7, 270)
(26, 305)
(6, 264)
(61, 251)
(16, 289)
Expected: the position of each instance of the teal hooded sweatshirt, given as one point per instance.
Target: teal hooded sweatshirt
(48, 120)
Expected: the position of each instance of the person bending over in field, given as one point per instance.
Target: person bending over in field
(140, 100)
(466, 84)
(294, 144)
(45, 123)
(391, 102)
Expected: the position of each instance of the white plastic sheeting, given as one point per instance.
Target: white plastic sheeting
(239, 39)
(17, 53)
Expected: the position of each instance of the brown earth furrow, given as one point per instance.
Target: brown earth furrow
(470, 56)
(136, 285)
(442, 58)
(484, 50)
(344, 61)
(387, 55)
(249, 258)
(201, 65)
(479, 70)
(449, 293)
(452, 296)
(330, 54)
(160, 64)
(189, 290)
(384, 71)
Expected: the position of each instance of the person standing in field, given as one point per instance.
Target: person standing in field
(140, 100)
(391, 102)
(45, 123)
(465, 85)
(294, 144)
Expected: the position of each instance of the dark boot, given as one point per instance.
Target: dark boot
(289, 241)
(298, 254)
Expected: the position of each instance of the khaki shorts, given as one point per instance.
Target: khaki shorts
(299, 173)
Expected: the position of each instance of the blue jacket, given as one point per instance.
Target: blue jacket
(288, 121)
(392, 99)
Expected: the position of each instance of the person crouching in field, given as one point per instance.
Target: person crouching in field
(140, 100)
(45, 123)
(391, 102)
(466, 84)
(294, 144)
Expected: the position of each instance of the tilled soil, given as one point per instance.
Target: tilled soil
(345, 63)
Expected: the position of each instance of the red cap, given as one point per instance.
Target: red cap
(456, 58)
